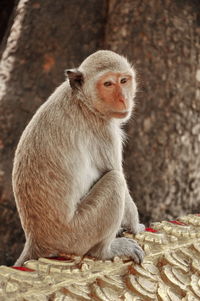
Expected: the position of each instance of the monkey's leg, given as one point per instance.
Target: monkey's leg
(98, 219)
(130, 219)
(93, 228)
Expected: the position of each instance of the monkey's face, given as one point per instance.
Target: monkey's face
(115, 93)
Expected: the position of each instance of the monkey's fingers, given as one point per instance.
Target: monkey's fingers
(138, 253)
(141, 228)
(127, 247)
(137, 229)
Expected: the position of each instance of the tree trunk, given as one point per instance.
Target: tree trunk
(161, 38)
(162, 158)
(46, 37)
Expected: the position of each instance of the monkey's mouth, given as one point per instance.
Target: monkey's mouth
(120, 114)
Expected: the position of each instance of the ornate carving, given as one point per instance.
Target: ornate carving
(170, 271)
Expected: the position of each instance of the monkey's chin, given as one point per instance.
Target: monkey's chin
(120, 114)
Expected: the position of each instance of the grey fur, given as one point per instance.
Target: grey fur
(68, 180)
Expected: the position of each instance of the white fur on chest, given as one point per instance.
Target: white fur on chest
(89, 174)
(96, 156)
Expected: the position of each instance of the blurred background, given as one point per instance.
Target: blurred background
(39, 39)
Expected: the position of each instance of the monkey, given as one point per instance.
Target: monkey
(68, 181)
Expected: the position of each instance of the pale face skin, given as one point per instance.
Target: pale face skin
(116, 90)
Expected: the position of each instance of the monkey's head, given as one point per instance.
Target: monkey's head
(106, 83)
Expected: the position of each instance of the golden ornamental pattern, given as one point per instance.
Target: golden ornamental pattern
(170, 271)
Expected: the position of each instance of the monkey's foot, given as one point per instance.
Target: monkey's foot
(127, 247)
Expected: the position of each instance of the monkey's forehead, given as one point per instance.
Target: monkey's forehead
(104, 60)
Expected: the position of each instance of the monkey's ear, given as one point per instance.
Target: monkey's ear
(75, 78)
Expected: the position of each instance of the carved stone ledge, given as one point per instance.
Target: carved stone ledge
(170, 271)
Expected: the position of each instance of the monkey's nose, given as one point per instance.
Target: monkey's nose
(123, 100)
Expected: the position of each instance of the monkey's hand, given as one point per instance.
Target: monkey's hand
(135, 229)
(138, 228)
(127, 247)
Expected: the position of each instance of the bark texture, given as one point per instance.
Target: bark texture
(162, 39)
(162, 158)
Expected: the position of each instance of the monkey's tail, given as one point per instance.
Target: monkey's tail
(25, 255)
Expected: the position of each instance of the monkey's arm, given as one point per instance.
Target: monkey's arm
(131, 219)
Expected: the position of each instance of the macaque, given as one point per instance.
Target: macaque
(68, 180)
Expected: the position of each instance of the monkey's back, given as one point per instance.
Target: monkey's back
(54, 165)
(39, 173)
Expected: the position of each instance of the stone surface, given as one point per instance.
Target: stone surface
(170, 271)
(161, 38)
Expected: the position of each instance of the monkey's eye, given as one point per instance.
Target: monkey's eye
(124, 80)
(107, 84)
